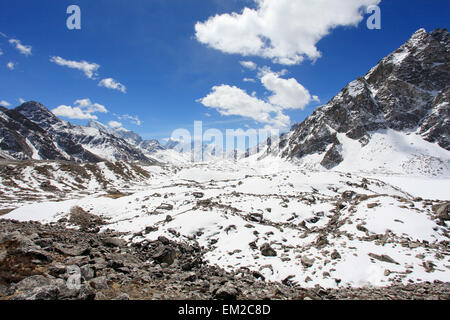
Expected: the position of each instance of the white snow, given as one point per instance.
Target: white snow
(286, 195)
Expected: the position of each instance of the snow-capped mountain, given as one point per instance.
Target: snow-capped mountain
(148, 147)
(395, 117)
(31, 131)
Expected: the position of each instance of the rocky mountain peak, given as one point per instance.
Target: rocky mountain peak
(407, 91)
(38, 113)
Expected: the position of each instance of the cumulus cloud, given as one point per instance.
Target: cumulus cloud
(110, 83)
(23, 49)
(89, 69)
(4, 103)
(233, 101)
(287, 93)
(248, 64)
(249, 80)
(10, 65)
(284, 31)
(115, 124)
(83, 109)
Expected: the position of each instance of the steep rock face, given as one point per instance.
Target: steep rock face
(407, 91)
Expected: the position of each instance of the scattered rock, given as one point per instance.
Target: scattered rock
(383, 257)
(268, 251)
(306, 262)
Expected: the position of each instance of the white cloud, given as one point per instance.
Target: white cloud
(115, 124)
(287, 93)
(248, 64)
(133, 119)
(89, 69)
(23, 49)
(1, 52)
(233, 101)
(110, 83)
(21, 100)
(249, 80)
(83, 110)
(88, 106)
(284, 31)
(5, 103)
(73, 113)
(10, 65)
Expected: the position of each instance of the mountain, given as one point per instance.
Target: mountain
(146, 146)
(396, 115)
(31, 131)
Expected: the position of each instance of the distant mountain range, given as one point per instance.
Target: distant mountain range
(31, 131)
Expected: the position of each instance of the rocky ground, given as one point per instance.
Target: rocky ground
(48, 261)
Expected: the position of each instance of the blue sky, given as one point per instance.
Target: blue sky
(152, 47)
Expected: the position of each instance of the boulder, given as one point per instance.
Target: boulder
(268, 251)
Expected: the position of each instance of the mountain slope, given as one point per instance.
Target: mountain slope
(407, 92)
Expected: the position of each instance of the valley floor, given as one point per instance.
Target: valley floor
(271, 219)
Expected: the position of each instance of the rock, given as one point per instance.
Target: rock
(443, 212)
(32, 282)
(165, 255)
(87, 272)
(360, 227)
(73, 251)
(306, 262)
(372, 205)
(313, 220)
(268, 251)
(255, 217)
(163, 240)
(428, 266)
(74, 277)
(86, 293)
(50, 292)
(165, 206)
(79, 260)
(333, 157)
(99, 283)
(198, 195)
(57, 269)
(151, 229)
(226, 292)
(190, 277)
(253, 245)
(348, 195)
(113, 242)
(335, 255)
(384, 258)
